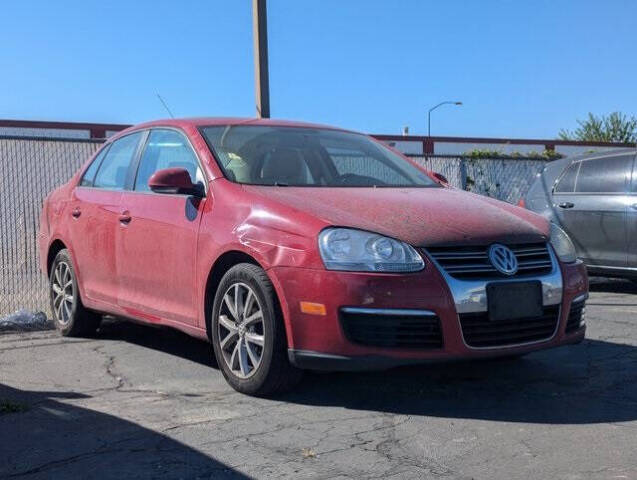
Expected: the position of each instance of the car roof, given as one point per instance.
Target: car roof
(223, 121)
(555, 168)
(602, 154)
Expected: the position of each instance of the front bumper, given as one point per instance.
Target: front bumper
(319, 342)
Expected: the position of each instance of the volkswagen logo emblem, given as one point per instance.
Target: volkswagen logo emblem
(503, 259)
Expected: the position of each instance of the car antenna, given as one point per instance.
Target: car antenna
(165, 106)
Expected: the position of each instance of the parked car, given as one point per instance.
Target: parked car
(292, 246)
(594, 199)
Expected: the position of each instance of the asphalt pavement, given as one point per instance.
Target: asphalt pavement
(139, 402)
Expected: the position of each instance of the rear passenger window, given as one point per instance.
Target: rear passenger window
(166, 149)
(604, 175)
(567, 182)
(112, 172)
(89, 174)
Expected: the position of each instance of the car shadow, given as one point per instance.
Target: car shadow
(612, 285)
(167, 340)
(593, 382)
(42, 436)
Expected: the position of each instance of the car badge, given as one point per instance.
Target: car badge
(503, 259)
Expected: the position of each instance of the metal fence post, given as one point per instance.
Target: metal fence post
(463, 173)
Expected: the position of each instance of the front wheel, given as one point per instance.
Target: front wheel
(69, 315)
(248, 334)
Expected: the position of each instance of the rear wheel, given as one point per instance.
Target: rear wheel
(248, 334)
(69, 315)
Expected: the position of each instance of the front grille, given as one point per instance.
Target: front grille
(473, 262)
(392, 331)
(575, 316)
(479, 331)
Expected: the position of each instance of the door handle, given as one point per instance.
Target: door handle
(566, 205)
(634, 206)
(76, 213)
(125, 218)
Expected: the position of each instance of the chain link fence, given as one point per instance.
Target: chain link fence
(30, 168)
(506, 179)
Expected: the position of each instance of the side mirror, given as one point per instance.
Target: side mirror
(174, 181)
(441, 179)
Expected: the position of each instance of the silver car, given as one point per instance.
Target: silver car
(594, 199)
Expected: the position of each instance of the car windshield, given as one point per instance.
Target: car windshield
(292, 156)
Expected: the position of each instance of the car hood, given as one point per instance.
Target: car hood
(419, 216)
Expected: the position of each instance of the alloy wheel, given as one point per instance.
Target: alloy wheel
(241, 330)
(63, 293)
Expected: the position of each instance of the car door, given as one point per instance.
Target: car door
(590, 201)
(95, 211)
(157, 248)
(631, 218)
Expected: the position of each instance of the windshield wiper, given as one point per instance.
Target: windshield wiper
(281, 184)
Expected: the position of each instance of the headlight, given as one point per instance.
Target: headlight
(360, 251)
(562, 244)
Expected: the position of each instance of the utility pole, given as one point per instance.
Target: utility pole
(261, 74)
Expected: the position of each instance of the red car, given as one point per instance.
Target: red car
(293, 246)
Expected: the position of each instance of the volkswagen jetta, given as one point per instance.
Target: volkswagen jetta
(292, 246)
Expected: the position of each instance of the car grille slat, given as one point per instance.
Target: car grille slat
(540, 332)
(468, 266)
(530, 251)
(462, 256)
(534, 265)
(392, 331)
(480, 332)
(480, 329)
(466, 263)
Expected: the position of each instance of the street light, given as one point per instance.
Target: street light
(448, 102)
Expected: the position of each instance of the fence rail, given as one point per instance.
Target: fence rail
(31, 167)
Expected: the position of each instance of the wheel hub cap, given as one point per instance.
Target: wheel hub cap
(62, 293)
(241, 330)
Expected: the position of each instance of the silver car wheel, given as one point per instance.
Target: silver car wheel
(240, 330)
(63, 293)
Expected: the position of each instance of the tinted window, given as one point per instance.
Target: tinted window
(166, 149)
(604, 175)
(89, 174)
(276, 155)
(112, 172)
(566, 184)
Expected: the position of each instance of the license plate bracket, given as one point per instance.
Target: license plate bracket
(514, 300)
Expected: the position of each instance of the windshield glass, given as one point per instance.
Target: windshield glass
(290, 156)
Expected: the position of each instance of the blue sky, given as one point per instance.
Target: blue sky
(522, 69)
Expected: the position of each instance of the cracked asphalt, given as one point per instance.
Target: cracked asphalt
(138, 402)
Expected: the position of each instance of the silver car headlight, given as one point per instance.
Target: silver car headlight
(360, 251)
(562, 244)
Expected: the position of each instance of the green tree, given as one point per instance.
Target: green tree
(616, 127)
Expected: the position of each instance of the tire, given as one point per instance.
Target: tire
(70, 316)
(251, 352)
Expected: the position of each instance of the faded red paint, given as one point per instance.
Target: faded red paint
(155, 268)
